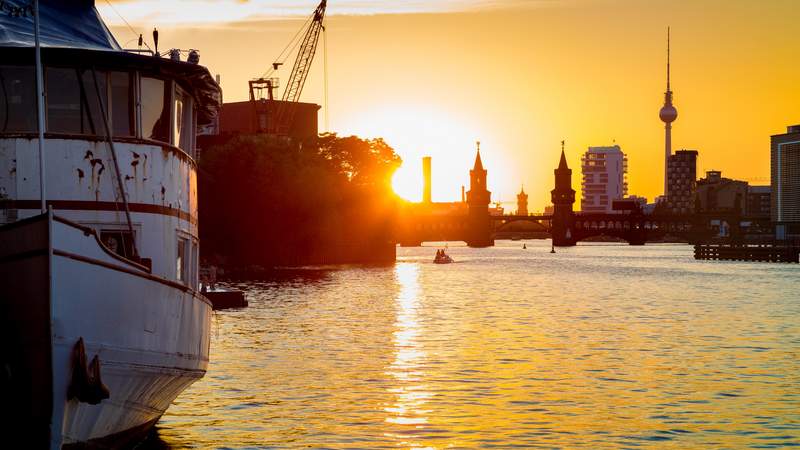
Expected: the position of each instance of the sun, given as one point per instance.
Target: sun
(415, 131)
(407, 181)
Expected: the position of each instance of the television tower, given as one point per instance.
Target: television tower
(668, 114)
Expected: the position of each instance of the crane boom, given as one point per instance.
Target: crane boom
(276, 117)
(305, 56)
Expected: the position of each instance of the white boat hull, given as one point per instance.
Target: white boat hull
(151, 335)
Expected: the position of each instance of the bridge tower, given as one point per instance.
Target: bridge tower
(522, 203)
(563, 197)
(479, 226)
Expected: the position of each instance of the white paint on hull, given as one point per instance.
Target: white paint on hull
(152, 338)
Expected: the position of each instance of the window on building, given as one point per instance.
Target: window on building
(155, 109)
(121, 108)
(17, 99)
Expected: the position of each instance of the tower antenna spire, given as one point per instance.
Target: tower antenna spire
(668, 114)
(667, 58)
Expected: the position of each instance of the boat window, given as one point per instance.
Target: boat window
(195, 264)
(91, 117)
(183, 132)
(63, 101)
(17, 99)
(118, 241)
(72, 102)
(121, 103)
(155, 109)
(182, 264)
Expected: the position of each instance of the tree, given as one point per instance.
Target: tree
(266, 203)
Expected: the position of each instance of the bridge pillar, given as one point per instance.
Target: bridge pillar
(479, 228)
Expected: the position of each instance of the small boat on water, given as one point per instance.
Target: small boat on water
(442, 257)
(101, 317)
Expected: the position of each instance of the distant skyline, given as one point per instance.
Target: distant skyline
(518, 76)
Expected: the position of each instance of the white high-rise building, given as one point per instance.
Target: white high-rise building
(605, 178)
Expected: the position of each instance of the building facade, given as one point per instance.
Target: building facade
(681, 182)
(715, 193)
(759, 201)
(785, 182)
(605, 178)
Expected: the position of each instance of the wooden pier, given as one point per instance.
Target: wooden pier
(763, 252)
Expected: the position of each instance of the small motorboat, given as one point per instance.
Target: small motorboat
(524, 247)
(442, 258)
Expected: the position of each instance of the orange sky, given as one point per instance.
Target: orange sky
(519, 76)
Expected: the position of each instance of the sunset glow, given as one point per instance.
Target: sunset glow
(433, 77)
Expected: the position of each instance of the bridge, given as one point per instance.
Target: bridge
(471, 221)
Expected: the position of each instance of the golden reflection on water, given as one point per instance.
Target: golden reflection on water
(409, 390)
(596, 346)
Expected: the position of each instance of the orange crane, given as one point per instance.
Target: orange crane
(276, 117)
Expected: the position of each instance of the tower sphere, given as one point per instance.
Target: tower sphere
(668, 113)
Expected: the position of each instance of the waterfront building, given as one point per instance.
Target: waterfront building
(785, 182)
(681, 181)
(522, 202)
(667, 114)
(426, 179)
(716, 193)
(605, 171)
(758, 201)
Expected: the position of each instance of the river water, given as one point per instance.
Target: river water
(596, 346)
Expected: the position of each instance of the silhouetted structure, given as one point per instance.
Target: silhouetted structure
(247, 118)
(426, 179)
(681, 181)
(759, 200)
(718, 194)
(668, 114)
(785, 181)
(563, 197)
(522, 202)
(478, 225)
(478, 199)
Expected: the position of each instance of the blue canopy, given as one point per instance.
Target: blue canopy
(64, 23)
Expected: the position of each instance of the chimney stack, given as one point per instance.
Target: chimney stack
(426, 177)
